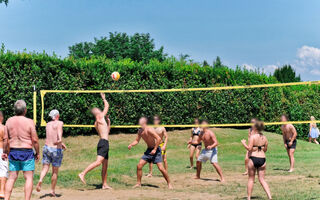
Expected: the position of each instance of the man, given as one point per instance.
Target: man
(21, 136)
(153, 152)
(103, 128)
(289, 134)
(210, 152)
(162, 132)
(3, 163)
(52, 151)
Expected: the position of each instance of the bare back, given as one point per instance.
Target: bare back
(53, 129)
(102, 127)
(288, 131)
(1, 135)
(19, 131)
(160, 131)
(259, 145)
(147, 136)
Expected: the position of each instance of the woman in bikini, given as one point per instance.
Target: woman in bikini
(250, 132)
(193, 144)
(314, 131)
(258, 145)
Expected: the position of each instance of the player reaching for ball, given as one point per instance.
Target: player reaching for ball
(103, 128)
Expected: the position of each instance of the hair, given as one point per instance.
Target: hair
(286, 116)
(1, 114)
(259, 125)
(205, 121)
(312, 118)
(146, 118)
(20, 107)
(157, 116)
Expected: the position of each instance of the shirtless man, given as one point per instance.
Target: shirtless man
(52, 151)
(162, 132)
(3, 163)
(210, 152)
(103, 128)
(289, 134)
(21, 136)
(153, 152)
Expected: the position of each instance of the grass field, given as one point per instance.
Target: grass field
(301, 184)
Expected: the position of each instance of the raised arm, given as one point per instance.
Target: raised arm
(136, 141)
(106, 104)
(35, 139)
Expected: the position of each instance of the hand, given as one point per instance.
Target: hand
(286, 146)
(189, 145)
(129, 147)
(153, 152)
(103, 96)
(290, 144)
(189, 142)
(37, 157)
(4, 156)
(64, 147)
(243, 141)
(163, 148)
(209, 147)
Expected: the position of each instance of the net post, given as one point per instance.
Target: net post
(34, 105)
(43, 122)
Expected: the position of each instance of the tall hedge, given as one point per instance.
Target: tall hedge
(20, 71)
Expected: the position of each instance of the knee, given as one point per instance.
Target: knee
(139, 167)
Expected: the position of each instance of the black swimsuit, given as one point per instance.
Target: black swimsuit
(258, 162)
(194, 133)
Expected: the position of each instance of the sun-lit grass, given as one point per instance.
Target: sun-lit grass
(302, 184)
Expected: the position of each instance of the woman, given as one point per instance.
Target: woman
(314, 131)
(258, 145)
(250, 132)
(193, 144)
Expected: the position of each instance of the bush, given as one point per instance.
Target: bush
(20, 71)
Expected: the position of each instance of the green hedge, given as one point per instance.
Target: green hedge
(20, 71)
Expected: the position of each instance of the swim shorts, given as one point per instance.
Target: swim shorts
(156, 158)
(51, 155)
(162, 152)
(293, 146)
(103, 148)
(209, 154)
(3, 166)
(21, 159)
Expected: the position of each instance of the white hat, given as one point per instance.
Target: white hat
(54, 113)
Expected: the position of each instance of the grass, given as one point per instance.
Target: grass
(301, 184)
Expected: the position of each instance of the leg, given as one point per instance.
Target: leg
(3, 181)
(54, 179)
(139, 172)
(246, 160)
(251, 172)
(261, 173)
(291, 157)
(165, 174)
(13, 175)
(310, 139)
(150, 170)
(164, 157)
(28, 186)
(315, 141)
(43, 173)
(104, 175)
(192, 148)
(198, 150)
(199, 166)
(219, 171)
(93, 165)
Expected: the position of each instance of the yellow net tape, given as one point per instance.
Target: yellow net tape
(43, 92)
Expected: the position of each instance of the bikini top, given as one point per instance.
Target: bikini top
(194, 132)
(259, 147)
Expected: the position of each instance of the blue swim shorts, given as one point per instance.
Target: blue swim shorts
(52, 156)
(21, 159)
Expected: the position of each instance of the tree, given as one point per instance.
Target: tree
(4, 1)
(205, 63)
(217, 62)
(138, 47)
(286, 74)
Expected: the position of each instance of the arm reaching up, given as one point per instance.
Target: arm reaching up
(106, 104)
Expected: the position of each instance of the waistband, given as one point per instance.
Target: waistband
(21, 149)
(150, 149)
(101, 139)
(52, 148)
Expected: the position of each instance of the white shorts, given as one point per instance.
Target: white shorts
(207, 154)
(3, 166)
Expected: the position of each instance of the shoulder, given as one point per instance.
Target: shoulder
(60, 123)
(163, 129)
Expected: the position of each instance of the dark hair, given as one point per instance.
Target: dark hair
(259, 125)
(286, 116)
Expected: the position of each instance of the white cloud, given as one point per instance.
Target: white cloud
(269, 69)
(249, 67)
(308, 56)
(265, 69)
(315, 71)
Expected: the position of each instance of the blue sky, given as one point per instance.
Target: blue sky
(251, 33)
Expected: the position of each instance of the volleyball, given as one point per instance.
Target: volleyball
(115, 76)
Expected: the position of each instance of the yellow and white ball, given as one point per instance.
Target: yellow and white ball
(115, 76)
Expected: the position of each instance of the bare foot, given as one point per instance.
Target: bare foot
(53, 194)
(81, 176)
(196, 177)
(149, 175)
(245, 173)
(138, 185)
(291, 170)
(170, 187)
(106, 187)
(222, 180)
(38, 188)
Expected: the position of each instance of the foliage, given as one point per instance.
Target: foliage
(138, 47)
(286, 74)
(20, 71)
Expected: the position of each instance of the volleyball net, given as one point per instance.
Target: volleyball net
(45, 92)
